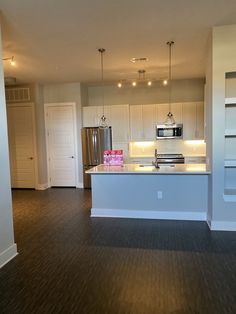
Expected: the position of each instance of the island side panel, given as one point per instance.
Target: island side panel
(136, 196)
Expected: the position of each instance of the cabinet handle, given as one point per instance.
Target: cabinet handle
(31, 158)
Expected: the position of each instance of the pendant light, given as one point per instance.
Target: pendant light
(102, 123)
(170, 118)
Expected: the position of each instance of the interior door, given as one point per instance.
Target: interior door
(21, 145)
(61, 139)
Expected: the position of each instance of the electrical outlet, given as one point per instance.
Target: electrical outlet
(159, 195)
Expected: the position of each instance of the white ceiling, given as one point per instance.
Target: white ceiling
(57, 40)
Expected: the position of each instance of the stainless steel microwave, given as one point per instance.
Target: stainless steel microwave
(173, 131)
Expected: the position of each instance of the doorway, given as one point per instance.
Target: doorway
(61, 135)
(22, 145)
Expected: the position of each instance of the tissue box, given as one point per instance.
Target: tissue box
(113, 157)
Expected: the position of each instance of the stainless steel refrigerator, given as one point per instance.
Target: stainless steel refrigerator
(94, 141)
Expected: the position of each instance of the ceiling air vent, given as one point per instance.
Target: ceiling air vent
(18, 94)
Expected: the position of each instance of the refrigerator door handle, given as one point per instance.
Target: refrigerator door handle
(94, 139)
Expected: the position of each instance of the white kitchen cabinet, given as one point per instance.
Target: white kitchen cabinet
(142, 122)
(149, 122)
(193, 121)
(161, 113)
(117, 117)
(92, 115)
(136, 121)
(163, 109)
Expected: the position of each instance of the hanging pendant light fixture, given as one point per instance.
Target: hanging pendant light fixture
(103, 122)
(170, 118)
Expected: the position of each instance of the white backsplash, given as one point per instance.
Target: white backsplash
(187, 148)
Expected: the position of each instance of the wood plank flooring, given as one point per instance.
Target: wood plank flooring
(70, 263)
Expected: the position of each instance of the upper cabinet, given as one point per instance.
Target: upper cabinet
(138, 122)
(193, 121)
(142, 122)
(163, 110)
(92, 115)
(117, 117)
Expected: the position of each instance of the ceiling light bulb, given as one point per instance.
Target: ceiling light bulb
(134, 83)
(165, 82)
(119, 85)
(149, 83)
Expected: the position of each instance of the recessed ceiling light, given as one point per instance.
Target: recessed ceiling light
(138, 59)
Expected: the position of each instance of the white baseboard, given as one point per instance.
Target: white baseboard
(8, 254)
(42, 187)
(80, 185)
(147, 214)
(223, 225)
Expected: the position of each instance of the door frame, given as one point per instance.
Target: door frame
(62, 104)
(31, 105)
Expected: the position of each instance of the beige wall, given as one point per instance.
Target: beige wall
(7, 246)
(182, 91)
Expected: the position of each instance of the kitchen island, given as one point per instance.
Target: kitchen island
(143, 191)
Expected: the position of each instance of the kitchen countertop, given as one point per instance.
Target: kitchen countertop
(149, 169)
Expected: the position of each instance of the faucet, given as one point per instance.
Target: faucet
(155, 163)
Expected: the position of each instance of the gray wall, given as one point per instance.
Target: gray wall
(68, 92)
(7, 246)
(182, 90)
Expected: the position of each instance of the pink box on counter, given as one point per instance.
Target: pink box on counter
(113, 157)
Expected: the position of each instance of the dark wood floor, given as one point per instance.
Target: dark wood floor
(70, 263)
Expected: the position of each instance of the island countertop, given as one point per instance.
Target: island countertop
(149, 169)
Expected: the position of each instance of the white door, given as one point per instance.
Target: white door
(61, 144)
(21, 145)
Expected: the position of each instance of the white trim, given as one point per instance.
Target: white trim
(80, 185)
(223, 225)
(42, 187)
(8, 254)
(148, 214)
(61, 104)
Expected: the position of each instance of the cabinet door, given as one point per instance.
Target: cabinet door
(161, 113)
(149, 122)
(200, 120)
(189, 121)
(176, 110)
(92, 115)
(193, 121)
(119, 120)
(136, 123)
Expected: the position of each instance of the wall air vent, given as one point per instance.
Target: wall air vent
(17, 94)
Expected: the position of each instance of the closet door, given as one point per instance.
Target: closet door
(61, 144)
(21, 145)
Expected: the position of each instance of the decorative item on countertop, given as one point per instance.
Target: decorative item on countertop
(113, 157)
